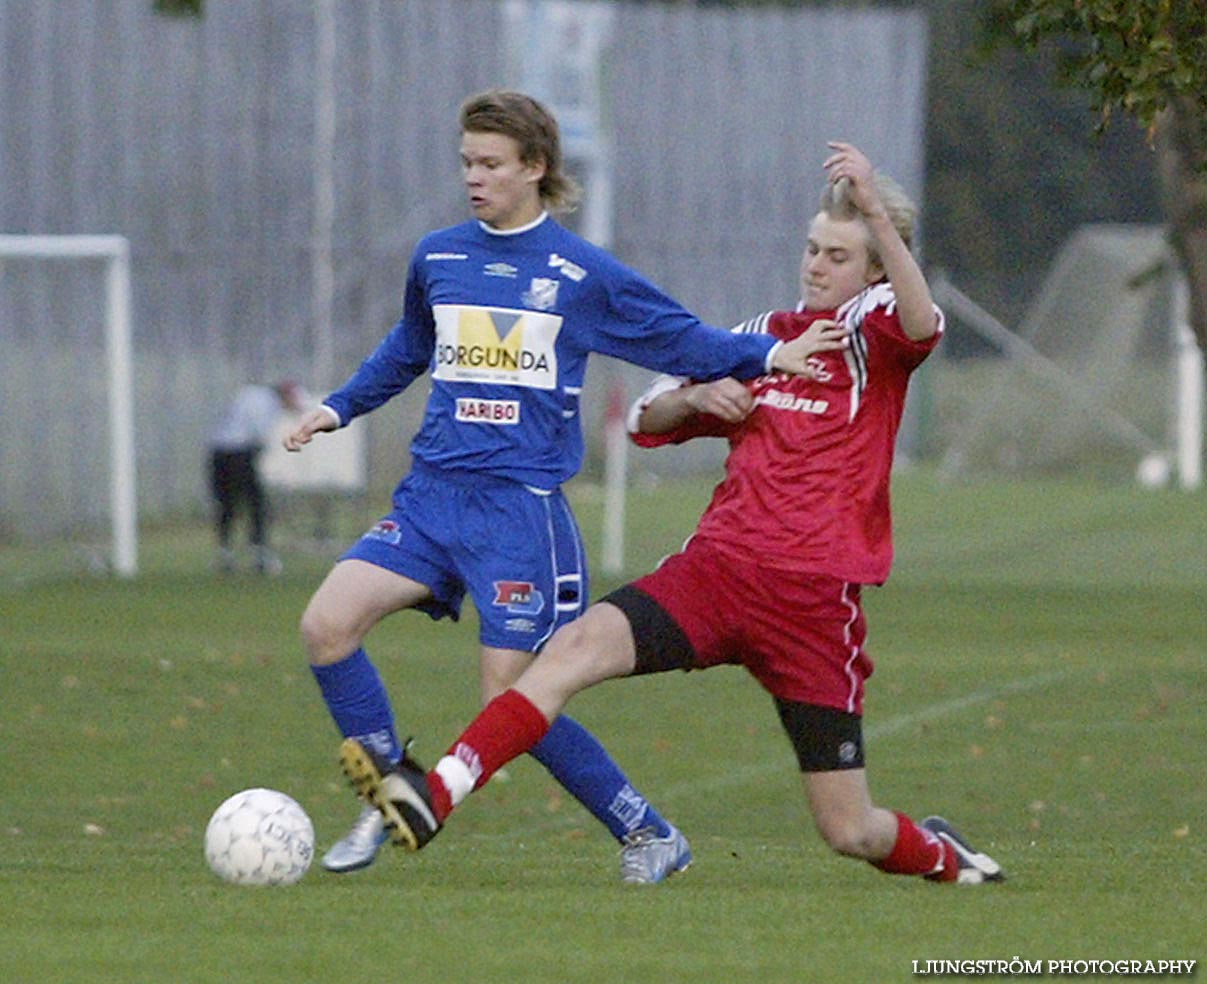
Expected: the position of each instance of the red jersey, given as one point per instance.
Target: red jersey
(806, 485)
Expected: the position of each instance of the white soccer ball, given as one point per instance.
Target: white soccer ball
(259, 837)
(1153, 471)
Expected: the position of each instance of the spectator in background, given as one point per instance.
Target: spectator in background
(246, 425)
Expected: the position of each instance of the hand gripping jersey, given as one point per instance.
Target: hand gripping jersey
(806, 485)
(505, 322)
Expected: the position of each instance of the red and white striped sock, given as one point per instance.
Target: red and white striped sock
(918, 851)
(507, 727)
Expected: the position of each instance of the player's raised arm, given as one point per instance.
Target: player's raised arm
(915, 306)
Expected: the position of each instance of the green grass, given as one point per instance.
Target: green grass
(1040, 680)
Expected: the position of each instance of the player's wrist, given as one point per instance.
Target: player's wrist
(769, 363)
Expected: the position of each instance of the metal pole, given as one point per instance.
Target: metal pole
(119, 352)
(322, 274)
(1188, 426)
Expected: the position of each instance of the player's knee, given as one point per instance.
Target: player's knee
(570, 645)
(326, 641)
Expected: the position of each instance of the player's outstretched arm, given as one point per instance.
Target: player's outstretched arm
(321, 418)
(821, 336)
(730, 400)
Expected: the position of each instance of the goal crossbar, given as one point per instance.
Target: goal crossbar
(115, 251)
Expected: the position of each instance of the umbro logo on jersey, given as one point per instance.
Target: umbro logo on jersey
(447, 256)
(499, 270)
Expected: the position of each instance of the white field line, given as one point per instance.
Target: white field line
(957, 704)
(728, 777)
(890, 726)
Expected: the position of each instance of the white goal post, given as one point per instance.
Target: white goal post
(115, 251)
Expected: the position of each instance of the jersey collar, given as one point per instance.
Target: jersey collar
(514, 232)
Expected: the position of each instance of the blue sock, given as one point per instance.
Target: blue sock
(358, 702)
(576, 759)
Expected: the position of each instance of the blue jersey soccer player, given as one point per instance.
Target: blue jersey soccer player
(503, 311)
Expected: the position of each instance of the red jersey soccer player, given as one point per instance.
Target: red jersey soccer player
(800, 522)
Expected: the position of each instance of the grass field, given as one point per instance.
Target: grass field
(1041, 676)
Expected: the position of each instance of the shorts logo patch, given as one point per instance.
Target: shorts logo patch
(848, 752)
(386, 530)
(519, 597)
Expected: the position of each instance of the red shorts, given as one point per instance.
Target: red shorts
(800, 635)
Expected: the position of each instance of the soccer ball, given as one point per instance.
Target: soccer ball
(259, 837)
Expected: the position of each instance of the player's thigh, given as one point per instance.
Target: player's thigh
(597, 647)
(355, 596)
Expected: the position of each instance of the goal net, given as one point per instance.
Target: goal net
(1092, 383)
(69, 442)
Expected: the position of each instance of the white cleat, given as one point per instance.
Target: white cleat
(359, 846)
(647, 859)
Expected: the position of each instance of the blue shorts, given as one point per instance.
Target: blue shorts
(516, 551)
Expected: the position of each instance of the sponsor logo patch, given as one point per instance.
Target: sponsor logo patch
(786, 401)
(488, 411)
(447, 256)
(519, 597)
(496, 345)
(386, 530)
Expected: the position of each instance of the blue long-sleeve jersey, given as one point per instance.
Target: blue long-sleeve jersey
(505, 322)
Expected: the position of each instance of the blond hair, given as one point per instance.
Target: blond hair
(902, 212)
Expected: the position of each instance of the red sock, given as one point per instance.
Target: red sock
(919, 852)
(507, 727)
